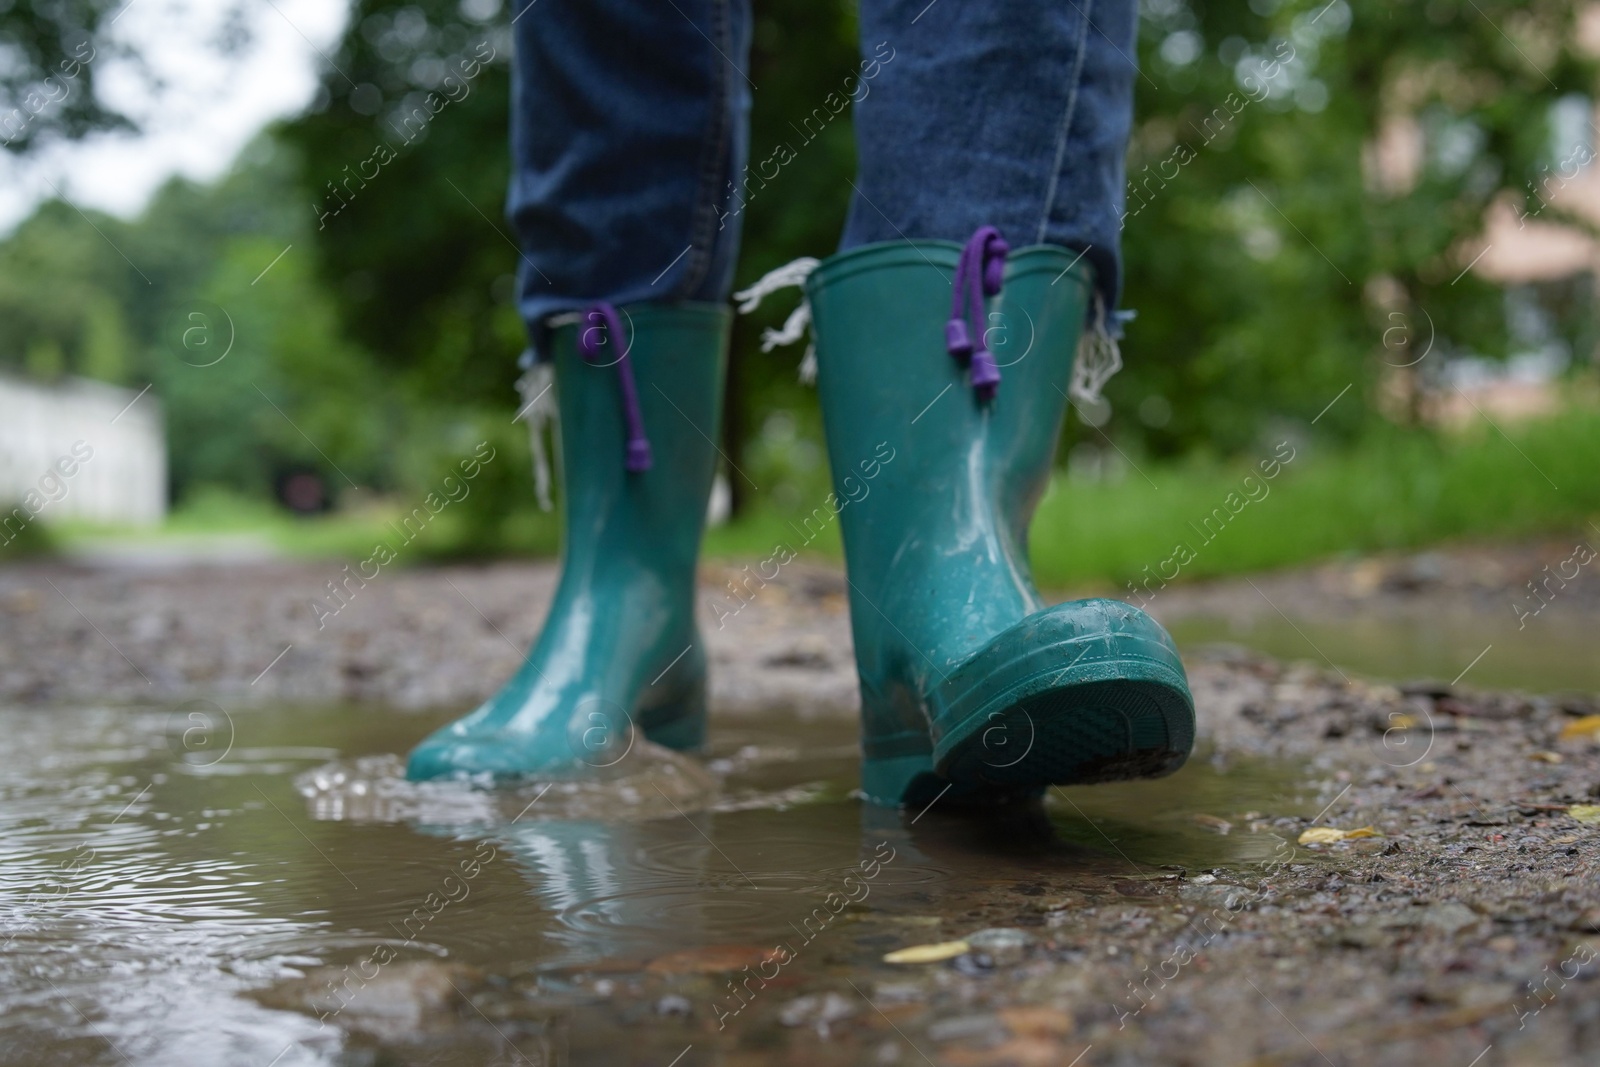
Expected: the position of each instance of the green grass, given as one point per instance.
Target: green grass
(1401, 490)
(217, 513)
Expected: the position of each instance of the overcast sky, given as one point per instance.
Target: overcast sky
(210, 106)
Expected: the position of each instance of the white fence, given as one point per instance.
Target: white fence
(82, 449)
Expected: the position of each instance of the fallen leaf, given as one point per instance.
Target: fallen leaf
(1586, 727)
(1327, 835)
(1588, 814)
(943, 950)
(712, 959)
(1546, 757)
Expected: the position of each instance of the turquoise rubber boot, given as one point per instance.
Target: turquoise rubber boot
(620, 649)
(967, 678)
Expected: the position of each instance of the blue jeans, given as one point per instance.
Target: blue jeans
(632, 163)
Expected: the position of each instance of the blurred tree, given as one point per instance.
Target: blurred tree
(48, 74)
(211, 296)
(45, 360)
(105, 341)
(51, 270)
(405, 209)
(1271, 240)
(52, 55)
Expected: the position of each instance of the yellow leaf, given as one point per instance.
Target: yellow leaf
(1546, 757)
(944, 950)
(1588, 814)
(1588, 726)
(1327, 835)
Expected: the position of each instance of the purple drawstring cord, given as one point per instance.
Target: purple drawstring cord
(604, 315)
(978, 275)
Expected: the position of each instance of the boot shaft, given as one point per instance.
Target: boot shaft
(655, 517)
(966, 472)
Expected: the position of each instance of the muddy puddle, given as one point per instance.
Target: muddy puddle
(185, 886)
(1542, 658)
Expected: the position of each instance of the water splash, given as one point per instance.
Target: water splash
(652, 782)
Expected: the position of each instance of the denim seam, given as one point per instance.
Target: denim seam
(702, 238)
(1066, 124)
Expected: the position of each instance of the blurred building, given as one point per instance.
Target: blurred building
(81, 449)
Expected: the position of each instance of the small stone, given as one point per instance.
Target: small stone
(401, 998)
(1363, 935)
(816, 1010)
(1215, 894)
(806, 652)
(673, 1004)
(974, 964)
(1002, 944)
(1449, 917)
(897, 993)
(967, 1027)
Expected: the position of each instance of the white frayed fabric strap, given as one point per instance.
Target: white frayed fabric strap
(539, 409)
(790, 275)
(537, 387)
(1099, 357)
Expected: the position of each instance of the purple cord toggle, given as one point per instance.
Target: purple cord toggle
(604, 315)
(979, 273)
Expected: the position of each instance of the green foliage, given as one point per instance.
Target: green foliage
(1264, 260)
(105, 342)
(48, 76)
(52, 270)
(414, 248)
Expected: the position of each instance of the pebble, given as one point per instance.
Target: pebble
(1003, 944)
(967, 1027)
(1449, 917)
(673, 1004)
(817, 1010)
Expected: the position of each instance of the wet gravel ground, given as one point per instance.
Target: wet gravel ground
(1463, 933)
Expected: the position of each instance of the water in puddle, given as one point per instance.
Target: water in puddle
(1540, 657)
(168, 876)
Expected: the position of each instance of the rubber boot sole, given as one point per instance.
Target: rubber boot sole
(1048, 704)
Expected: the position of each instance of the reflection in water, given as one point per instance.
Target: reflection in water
(149, 894)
